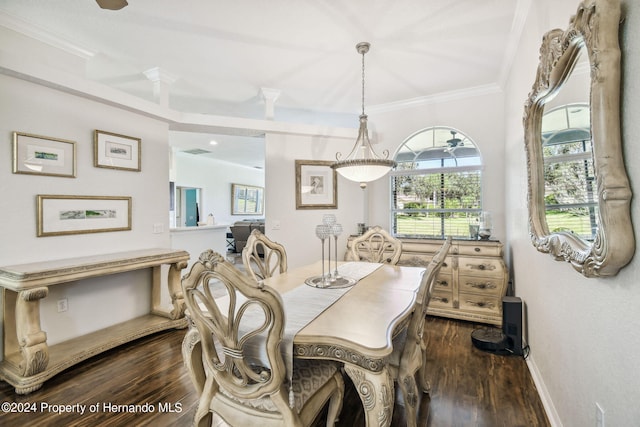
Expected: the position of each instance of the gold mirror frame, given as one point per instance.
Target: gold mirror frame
(594, 27)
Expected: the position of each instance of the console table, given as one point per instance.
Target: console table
(471, 282)
(28, 361)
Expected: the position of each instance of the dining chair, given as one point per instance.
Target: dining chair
(233, 354)
(376, 245)
(409, 349)
(262, 257)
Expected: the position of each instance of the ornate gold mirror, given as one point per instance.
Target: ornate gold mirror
(579, 193)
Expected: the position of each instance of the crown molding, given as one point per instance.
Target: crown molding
(436, 98)
(33, 31)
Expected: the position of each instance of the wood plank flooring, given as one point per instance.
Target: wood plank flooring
(469, 388)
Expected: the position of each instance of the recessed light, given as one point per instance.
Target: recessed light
(213, 142)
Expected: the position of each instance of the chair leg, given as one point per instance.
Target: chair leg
(203, 417)
(409, 391)
(335, 402)
(192, 356)
(422, 375)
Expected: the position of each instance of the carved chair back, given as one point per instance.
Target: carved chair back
(376, 245)
(233, 353)
(409, 348)
(262, 257)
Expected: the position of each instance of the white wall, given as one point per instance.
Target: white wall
(27, 107)
(584, 333)
(297, 227)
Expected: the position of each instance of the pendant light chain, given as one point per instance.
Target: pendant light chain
(363, 82)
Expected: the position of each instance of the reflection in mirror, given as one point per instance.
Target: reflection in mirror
(579, 192)
(568, 171)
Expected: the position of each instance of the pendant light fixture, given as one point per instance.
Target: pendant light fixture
(363, 164)
(112, 4)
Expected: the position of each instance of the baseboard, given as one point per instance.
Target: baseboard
(549, 408)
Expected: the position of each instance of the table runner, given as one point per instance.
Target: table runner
(305, 303)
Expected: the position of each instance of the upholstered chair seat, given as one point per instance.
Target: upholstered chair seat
(308, 378)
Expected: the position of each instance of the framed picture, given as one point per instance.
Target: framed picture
(59, 215)
(114, 151)
(247, 200)
(316, 185)
(42, 155)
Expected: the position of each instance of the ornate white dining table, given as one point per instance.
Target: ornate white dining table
(357, 330)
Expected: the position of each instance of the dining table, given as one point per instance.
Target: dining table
(356, 327)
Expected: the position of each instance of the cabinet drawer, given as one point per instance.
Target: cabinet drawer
(480, 249)
(481, 266)
(440, 299)
(423, 260)
(483, 285)
(480, 303)
(414, 246)
(444, 282)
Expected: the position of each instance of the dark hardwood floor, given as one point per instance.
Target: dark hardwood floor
(469, 388)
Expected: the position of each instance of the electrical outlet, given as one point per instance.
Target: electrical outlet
(276, 225)
(158, 228)
(599, 415)
(63, 305)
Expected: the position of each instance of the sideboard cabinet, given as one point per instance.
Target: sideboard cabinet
(471, 282)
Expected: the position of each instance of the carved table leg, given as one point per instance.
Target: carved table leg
(175, 289)
(376, 392)
(31, 339)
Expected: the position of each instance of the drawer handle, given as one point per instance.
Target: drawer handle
(442, 283)
(481, 304)
(487, 285)
(481, 266)
(476, 249)
(441, 299)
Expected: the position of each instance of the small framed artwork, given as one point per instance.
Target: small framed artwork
(247, 200)
(59, 215)
(316, 185)
(43, 155)
(114, 151)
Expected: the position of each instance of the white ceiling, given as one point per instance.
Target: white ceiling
(221, 53)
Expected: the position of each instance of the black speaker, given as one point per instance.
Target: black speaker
(512, 324)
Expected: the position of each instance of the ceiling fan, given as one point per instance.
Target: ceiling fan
(112, 4)
(454, 142)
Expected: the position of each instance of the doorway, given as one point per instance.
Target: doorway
(188, 202)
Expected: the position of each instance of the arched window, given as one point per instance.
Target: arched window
(569, 178)
(436, 187)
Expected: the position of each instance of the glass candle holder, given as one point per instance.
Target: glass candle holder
(323, 232)
(486, 225)
(336, 230)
